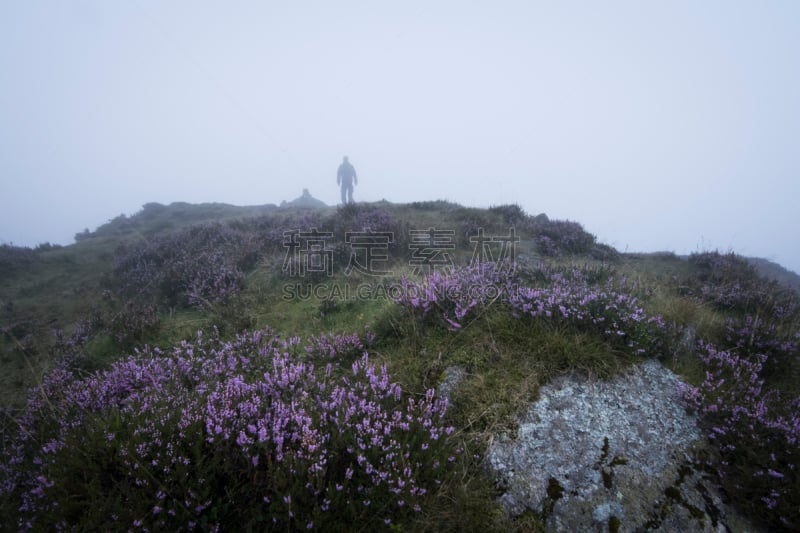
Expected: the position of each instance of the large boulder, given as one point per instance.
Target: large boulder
(618, 455)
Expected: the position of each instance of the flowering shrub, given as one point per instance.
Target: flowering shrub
(213, 431)
(754, 336)
(561, 237)
(214, 281)
(271, 228)
(355, 217)
(511, 213)
(456, 296)
(731, 283)
(374, 219)
(754, 427)
(573, 297)
(199, 266)
(133, 321)
(470, 224)
(361, 218)
(69, 351)
(332, 346)
(608, 310)
(604, 252)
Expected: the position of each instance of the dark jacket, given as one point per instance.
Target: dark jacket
(346, 174)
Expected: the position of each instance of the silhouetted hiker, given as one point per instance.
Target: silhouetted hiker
(346, 177)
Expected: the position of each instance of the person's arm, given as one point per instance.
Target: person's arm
(339, 176)
(355, 177)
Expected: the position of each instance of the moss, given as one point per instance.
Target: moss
(606, 467)
(608, 478)
(614, 524)
(683, 471)
(604, 453)
(711, 508)
(555, 491)
(617, 461)
(674, 494)
(696, 512)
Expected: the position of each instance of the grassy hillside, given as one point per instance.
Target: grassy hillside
(288, 300)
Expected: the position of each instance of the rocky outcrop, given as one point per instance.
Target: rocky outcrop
(616, 455)
(305, 200)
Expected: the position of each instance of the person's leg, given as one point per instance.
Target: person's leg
(350, 193)
(344, 194)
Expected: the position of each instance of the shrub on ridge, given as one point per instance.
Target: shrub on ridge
(248, 430)
(455, 298)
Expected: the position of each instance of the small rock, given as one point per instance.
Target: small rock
(453, 376)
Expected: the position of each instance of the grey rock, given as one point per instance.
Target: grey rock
(589, 452)
(453, 376)
(603, 512)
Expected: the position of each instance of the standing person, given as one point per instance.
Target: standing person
(346, 177)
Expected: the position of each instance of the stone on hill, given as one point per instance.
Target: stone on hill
(601, 455)
(305, 200)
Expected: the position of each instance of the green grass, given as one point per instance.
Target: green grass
(56, 291)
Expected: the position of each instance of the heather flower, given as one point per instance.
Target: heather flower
(200, 266)
(755, 430)
(731, 283)
(304, 442)
(457, 297)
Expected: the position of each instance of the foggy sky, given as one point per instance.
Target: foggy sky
(658, 126)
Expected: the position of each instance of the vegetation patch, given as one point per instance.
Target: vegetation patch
(103, 440)
(148, 442)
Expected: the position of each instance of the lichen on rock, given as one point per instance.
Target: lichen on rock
(622, 451)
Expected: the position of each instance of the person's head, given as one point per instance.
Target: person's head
(345, 159)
